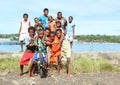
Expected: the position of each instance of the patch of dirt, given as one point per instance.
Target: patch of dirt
(12, 78)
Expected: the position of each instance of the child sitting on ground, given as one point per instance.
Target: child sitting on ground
(28, 54)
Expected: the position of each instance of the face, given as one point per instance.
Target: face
(40, 34)
(70, 19)
(59, 15)
(52, 36)
(45, 12)
(25, 17)
(58, 34)
(47, 33)
(50, 18)
(31, 33)
(58, 24)
(36, 20)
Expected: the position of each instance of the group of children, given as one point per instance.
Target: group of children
(50, 37)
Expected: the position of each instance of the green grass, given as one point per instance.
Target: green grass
(11, 64)
(82, 65)
(86, 65)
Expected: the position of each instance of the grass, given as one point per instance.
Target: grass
(82, 65)
(11, 64)
(86, 65)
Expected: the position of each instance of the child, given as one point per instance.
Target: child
(52, 24)
(23, 32)
(29, 51)
(38, 24)
(65, 47)
(70, 30)
(42, 48)
(56, 49)
(58, 26)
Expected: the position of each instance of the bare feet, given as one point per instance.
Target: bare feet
(20, 74)
(68, 77)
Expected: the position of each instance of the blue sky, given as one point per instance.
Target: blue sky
(90, 16)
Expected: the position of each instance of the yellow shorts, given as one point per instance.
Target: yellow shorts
(66, 49)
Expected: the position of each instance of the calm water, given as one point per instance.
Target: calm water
(77, 47)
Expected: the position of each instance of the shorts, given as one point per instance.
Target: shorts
(23, 36)
(70, 38)
(66, 49)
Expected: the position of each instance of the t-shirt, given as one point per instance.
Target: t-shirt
(42, 47)
(25, 26)
(44, 20)
(70, 29)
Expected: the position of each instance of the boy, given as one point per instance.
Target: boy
(23, 32)
(70, 30)
(41, 47)
(28, 54)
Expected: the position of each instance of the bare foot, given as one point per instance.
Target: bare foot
(68, 77)
(20, 74)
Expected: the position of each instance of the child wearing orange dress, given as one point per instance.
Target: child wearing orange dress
(56, 50)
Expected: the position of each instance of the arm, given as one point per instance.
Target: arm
(73, 30)
(29, 24)
(20, 28)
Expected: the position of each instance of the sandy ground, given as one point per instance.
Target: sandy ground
(12, 78)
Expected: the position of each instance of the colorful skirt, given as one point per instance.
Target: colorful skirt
(26, 58)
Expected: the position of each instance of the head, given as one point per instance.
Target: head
(50, 18)
(36, 20)
(25, 16)
(59, 15)
(59, 33)
(70, 19)
(46, 11)
(31, 31)
(58, 24)
(40, 33)
(52, 35)
(47, 32)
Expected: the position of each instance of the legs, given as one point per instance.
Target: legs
(21, 44)
(71, 44)
(21, 70)
(68, 68)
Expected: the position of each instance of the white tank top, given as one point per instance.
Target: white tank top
(25, 26)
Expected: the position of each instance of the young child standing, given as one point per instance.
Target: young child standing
(56, 49)
(23, 32)
(65, 47)
(29, 53)
(70, 30)
(52, 24)
(41, 48)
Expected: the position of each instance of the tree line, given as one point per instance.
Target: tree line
(99, 38)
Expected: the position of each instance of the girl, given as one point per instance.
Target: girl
(23, 32)
(29, 53)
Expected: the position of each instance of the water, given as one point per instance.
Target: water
(77, 47)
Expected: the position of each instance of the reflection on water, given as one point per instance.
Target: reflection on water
(77, 47)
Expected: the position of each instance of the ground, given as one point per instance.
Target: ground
(12, 78)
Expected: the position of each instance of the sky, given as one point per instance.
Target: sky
(90, 16)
